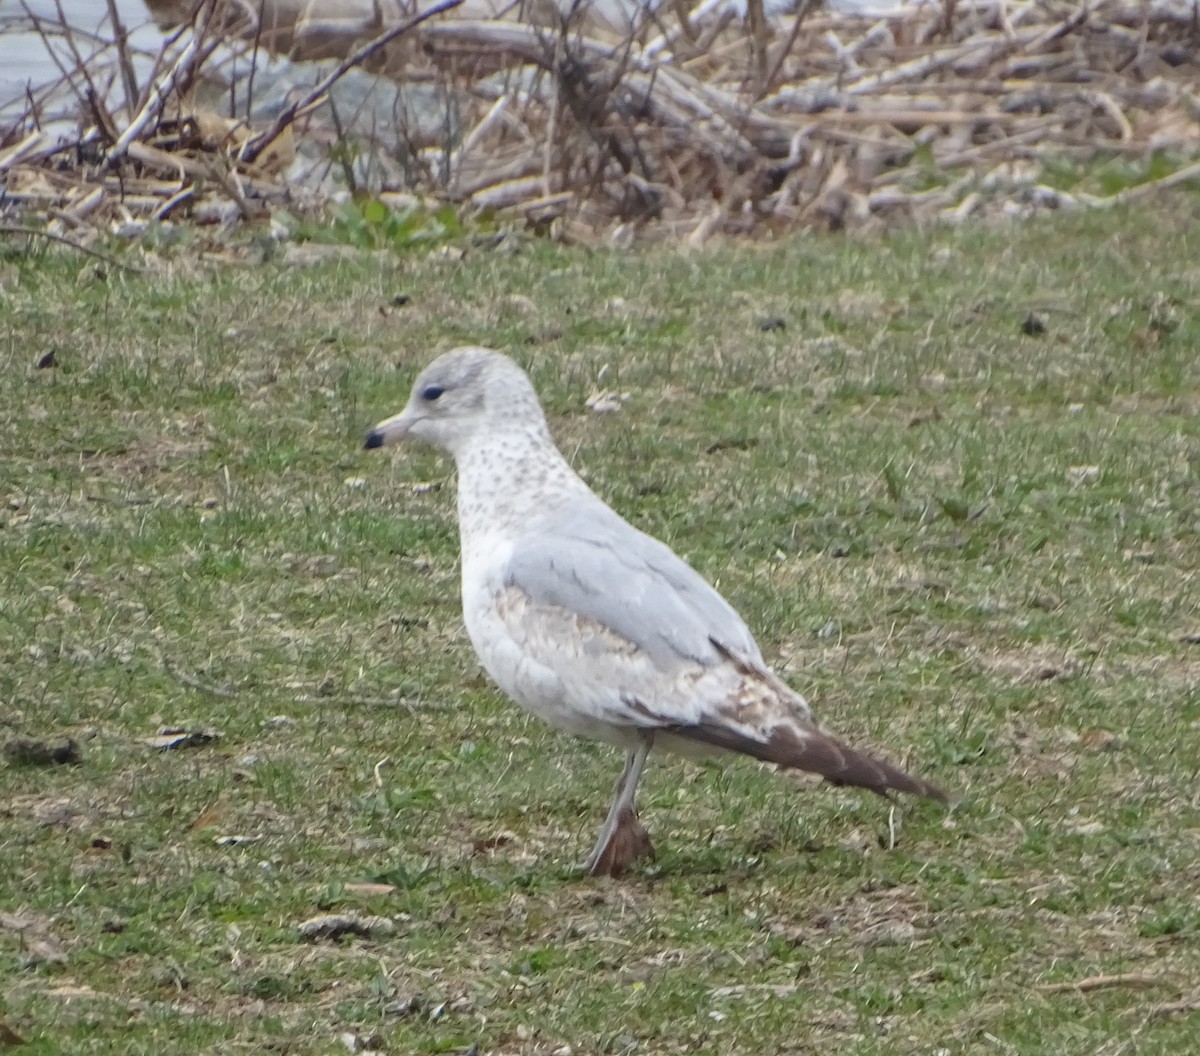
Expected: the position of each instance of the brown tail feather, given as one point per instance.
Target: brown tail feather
(818, 753)
(805, 746)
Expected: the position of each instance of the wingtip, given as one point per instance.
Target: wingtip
(880, 776)
(840, 764)
(373, 439)
(927, 789)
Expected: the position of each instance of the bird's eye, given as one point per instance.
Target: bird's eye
(431, 392)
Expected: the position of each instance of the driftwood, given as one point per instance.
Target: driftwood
(612, 121)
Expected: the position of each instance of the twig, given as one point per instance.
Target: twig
(472, 139)
(18, 151)
(154, 105)
(1173, 1008)
(124, 60)
(100, 116)
(981, 49)
(948, 18)
(82, 206)
(342, 701)
(1133, 980)
(38, 28)
(366, 702)
(69, 39)
(229, 182)
(377, 768)
(661, 43)
(50, 236)
(797, 24)
(1144, 190)
(255, 145)
(254, 52)
(1068, 25)
(192, 682)
(165, 50)
(342, 158)
(194, 54)
(757, 24)
(184, 194)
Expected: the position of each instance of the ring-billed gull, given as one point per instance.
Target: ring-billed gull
(592, 625)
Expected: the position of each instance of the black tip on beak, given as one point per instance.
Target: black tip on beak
(374, 439)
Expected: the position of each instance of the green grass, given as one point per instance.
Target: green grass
(973, 549)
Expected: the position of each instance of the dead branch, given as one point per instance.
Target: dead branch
(256, 145)
(681, 122)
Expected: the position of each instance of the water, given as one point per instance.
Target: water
(24, 60)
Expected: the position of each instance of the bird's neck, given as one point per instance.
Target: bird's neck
(505, 480)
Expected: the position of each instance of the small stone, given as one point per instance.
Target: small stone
(1033, 326)
(606, 402)
(1077, 475)
(335, 925)
(1100, 740)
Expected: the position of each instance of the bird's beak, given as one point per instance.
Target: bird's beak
(391, 429)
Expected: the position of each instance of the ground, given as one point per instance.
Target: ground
(950, 477)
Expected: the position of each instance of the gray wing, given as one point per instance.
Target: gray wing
(592, 563)
(675, 658)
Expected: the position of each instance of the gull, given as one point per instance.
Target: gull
(592, 625)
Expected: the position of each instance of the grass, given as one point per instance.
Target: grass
(974, 548)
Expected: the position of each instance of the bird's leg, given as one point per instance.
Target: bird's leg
(621, 800)
(622, 838)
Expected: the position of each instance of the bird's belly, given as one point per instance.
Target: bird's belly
(532, 685)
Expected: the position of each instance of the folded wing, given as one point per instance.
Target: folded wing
(592, 563)
(632, 636)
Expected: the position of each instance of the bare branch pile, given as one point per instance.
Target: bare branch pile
(619, 122)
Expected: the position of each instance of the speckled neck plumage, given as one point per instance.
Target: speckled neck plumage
(508, 478)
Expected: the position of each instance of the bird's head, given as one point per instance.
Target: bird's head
(460, 396)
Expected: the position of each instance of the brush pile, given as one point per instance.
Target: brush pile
(620, 123)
